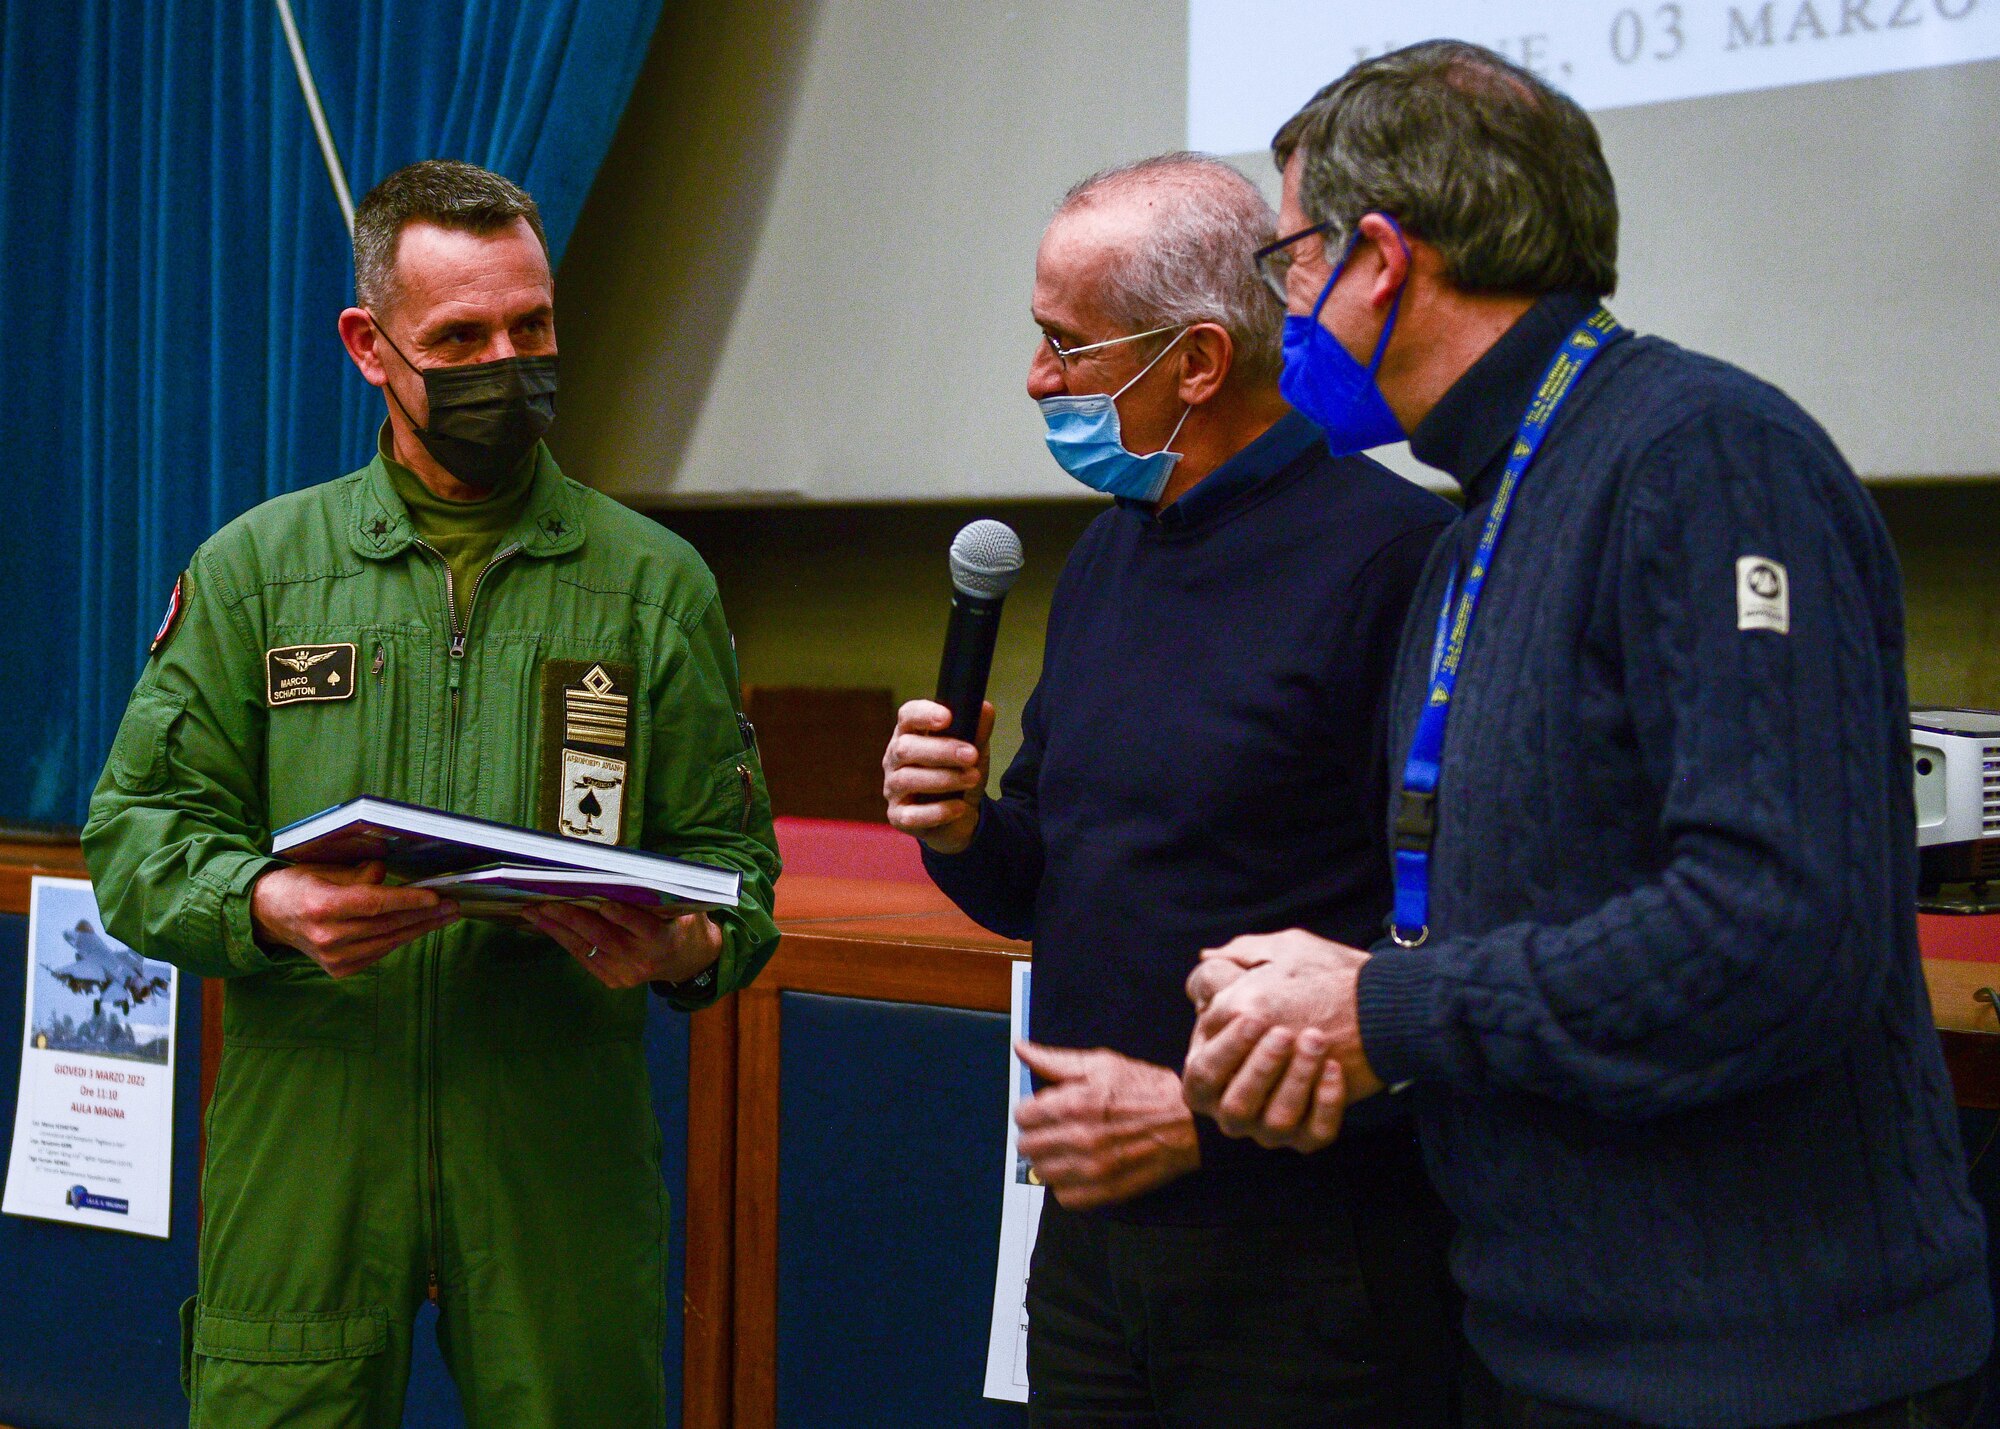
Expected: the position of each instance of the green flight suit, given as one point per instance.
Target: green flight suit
(470, 1116)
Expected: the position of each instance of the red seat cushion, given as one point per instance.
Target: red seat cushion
(840, 848)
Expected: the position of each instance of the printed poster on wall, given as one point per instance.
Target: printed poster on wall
(1020, 1218)
(93, 1127)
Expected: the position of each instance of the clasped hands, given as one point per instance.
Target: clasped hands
(1277, 1054)
(1276, 1057)
(347, 919)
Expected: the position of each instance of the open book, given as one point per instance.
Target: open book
(494, 870)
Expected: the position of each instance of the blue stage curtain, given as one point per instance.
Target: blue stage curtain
(172, 261)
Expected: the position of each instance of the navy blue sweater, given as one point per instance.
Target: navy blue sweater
(1674, 1063)
(1203, 757)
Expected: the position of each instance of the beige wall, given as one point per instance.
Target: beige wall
(1948, 537)
(857, 595)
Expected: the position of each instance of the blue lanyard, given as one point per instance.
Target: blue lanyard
(1416, 806)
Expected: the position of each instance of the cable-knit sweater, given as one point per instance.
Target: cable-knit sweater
(1202, 757)
(1669, 1042)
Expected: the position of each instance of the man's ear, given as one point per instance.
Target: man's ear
(1392, 256)
(358, 336)
(1207, 353)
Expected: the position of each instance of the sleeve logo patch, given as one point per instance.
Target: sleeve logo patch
(176, 607)
(1763, 595)
(299, 674)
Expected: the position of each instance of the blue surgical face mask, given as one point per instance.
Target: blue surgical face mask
(1083, 437)
(1323, 382)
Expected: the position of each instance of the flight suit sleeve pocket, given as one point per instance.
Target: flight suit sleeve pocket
(739, 792)
(242, 1364)
(139, 754)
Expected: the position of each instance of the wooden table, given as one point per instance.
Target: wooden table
(1962, 970)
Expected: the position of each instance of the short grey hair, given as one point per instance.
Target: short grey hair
(446, 192)
(1480, 158)
(1198, 261)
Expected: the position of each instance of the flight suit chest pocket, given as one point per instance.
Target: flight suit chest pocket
(335, 706)
(140, 753)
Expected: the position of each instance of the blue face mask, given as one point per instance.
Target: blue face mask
(1323, 382)
(1083, 437)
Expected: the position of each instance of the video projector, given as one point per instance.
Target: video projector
(1956, 762)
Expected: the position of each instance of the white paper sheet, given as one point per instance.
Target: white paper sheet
(1252, 63)
(1020, 1217)
(94, 1125)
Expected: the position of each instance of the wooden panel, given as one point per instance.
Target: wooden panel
(1973, 1058)
(941, 975)
(845, 938)
(822, 748)
(707, 1364)
(755, 1322)
(21, 860)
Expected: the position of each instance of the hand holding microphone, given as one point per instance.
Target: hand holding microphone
(934, 770)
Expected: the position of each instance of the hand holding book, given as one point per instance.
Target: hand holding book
(343, 918)
(373, 874)
(624, 946)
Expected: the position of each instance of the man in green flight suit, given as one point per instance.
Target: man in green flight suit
(412, 1106)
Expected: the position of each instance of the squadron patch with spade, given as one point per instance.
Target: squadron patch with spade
(593, 797)
(296, 674)
(586, 740)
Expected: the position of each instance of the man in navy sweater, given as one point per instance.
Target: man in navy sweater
(1202, 754)
(1653, 986)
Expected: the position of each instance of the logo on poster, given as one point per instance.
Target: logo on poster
(81, 1198)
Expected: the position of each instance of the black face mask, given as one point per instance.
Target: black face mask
(485, 416)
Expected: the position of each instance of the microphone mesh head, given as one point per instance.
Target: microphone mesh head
(986, 559)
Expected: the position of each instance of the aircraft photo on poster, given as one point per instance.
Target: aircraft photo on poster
(93, 1126)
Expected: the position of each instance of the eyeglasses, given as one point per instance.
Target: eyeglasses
(1274, 260)
(1064, 354)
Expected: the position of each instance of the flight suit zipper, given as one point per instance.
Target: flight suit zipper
(427, 1040)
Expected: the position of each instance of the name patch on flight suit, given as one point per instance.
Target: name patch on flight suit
(295, 674)
(586, 733)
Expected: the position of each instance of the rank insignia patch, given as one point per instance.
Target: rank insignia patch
(298, 674)
(593, 711)
(176, 607)
(586, 739)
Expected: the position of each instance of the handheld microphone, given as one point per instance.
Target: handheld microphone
(985, 562)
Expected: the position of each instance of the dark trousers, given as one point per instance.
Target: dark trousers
(1491, 1405)
(1321, 1324)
